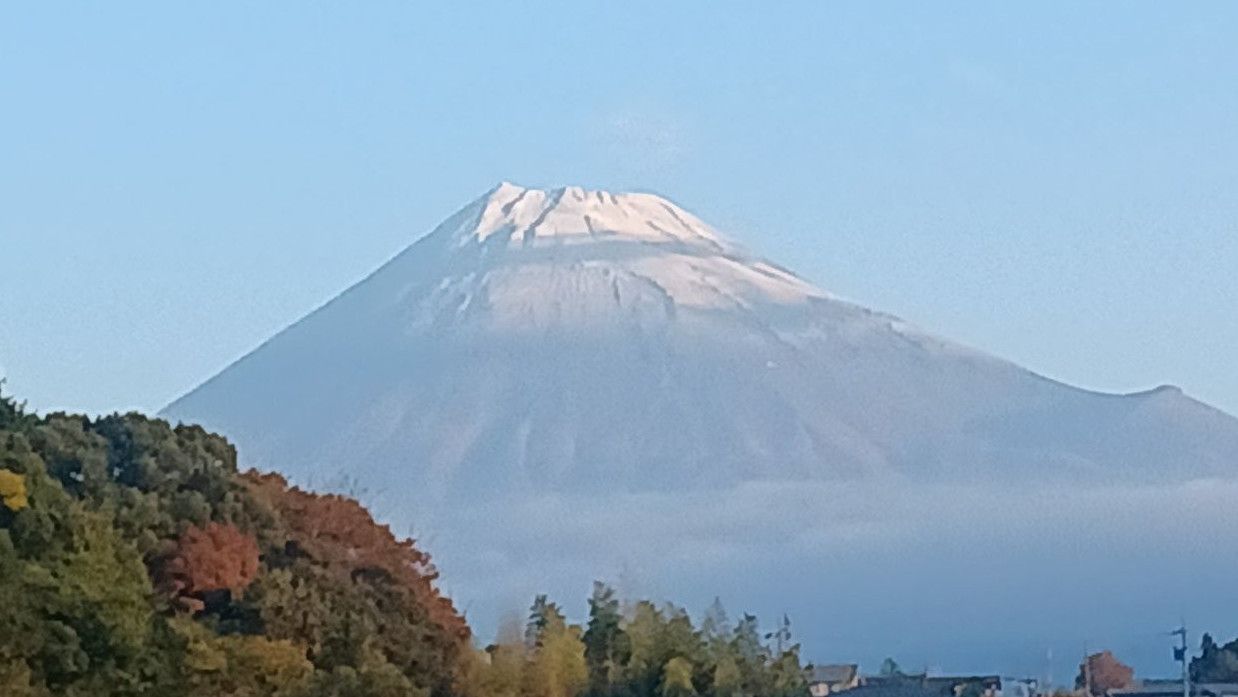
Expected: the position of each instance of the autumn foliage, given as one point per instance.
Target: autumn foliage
(12, 490)
(1103, 672)
(341, 535)
(208, 560)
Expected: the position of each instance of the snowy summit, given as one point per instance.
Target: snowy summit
(587, 254)
(524, 216)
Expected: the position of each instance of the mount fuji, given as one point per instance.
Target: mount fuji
(553, 383)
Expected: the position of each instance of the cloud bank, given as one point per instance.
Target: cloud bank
(932, 574)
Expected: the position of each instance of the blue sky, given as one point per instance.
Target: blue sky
(1056, 183)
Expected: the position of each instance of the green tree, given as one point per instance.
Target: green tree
(13, 416)
(605, 641)
(750, 656)
(787, 675)
(544, 616)
(241, 665)
(374, 676)
(76, 598)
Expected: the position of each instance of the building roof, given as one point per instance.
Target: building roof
(834, 673)
(893, 689)
(1173, 688)
(947, 683)
(935, 685)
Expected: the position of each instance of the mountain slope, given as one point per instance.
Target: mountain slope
(574, 340)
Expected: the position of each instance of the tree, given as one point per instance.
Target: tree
(788, 675)
(557, 666)
(746, 638)
(1103, 672)
(544, 617)
(1215, 663)
(605, 641)
(13, 416)
(13, 490)
(677, 679)
(500, 673)
(373, 677)
(336, 577)
(750, 655)
(75, 601)
(715, 627)
(209, 560)
(241, 665)
(890, 668)
(727, 680)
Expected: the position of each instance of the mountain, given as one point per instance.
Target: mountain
(571, 339)
(567, 383)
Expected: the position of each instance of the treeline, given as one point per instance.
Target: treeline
(642, 650)
(135, 559)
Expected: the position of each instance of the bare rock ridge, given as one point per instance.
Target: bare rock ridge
(573, 340)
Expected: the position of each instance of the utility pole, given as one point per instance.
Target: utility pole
(1180, 656)
(1048, 686)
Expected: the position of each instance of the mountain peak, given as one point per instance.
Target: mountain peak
(513, 215)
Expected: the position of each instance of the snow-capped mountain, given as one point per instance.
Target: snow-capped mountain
(572, 339)
(556, 386)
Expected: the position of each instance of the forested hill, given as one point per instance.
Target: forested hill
(135, 559)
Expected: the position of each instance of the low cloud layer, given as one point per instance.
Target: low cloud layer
(955, 577)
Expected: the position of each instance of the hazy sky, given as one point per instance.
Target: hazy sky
(1057, 183)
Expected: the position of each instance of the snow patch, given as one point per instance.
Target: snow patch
(570, 214)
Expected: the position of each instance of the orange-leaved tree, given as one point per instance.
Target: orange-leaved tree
(1103, 672)
(216, 561)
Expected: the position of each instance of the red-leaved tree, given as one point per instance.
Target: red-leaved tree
(1104, 672)
(207, 560)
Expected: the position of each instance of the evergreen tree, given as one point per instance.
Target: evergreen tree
(890, 668)
(544, 616)
(605, 641)
(557, 666)
(715, 626)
